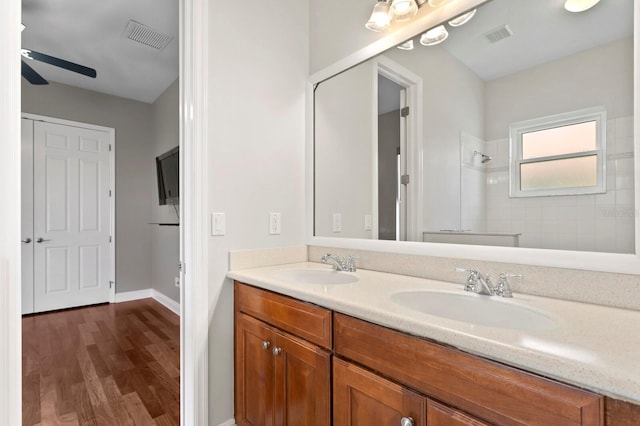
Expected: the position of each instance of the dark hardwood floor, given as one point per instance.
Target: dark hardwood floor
(116, 364)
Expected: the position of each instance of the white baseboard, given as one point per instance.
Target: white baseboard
(128, 296)
(230, 422)
(147, 293)
(166, 301)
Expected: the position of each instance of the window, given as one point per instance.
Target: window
(562, 154)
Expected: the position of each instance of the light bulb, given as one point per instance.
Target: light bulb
(579, 5)
(434, 36)
(380, 19)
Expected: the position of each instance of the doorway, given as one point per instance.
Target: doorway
(67, 214)
(398, 176)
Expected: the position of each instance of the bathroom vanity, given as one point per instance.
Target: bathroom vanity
(331, 362)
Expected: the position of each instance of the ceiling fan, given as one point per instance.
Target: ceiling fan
(32, 75)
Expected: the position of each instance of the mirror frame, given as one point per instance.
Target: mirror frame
(583, 260)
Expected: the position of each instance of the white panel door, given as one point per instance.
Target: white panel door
(27, 216)
(71, 216)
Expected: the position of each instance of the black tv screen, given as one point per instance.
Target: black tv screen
(168, 171)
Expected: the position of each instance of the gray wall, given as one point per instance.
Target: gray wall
(165, 240)
(134, 170)
(388, 145)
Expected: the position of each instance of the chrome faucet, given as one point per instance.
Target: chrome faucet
(340, 263)
(480, 284)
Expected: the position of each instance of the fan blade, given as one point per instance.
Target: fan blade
(52, 60)
(31, 75)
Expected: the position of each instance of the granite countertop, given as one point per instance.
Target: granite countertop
(591, 346)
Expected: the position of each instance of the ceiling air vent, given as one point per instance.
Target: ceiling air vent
(498, 34)
(146, 35)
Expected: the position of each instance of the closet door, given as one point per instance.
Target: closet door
(27, 216)
(71, 216)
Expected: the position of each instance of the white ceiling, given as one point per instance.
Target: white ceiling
(89, 32)
(542, 31)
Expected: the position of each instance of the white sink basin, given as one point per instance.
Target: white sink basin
(491, 311)
(316, 276)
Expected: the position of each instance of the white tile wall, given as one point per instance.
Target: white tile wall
(601, 222)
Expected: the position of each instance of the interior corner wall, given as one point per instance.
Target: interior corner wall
(165, 240)
(134, 170)
(256, 149)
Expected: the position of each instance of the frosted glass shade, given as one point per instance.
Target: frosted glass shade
(579, 5)
(380, 19)
(462, 19)
(402, 10)
(407, 45)
(434, 36)
(437, 3)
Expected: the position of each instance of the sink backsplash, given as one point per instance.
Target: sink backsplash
(601, 288)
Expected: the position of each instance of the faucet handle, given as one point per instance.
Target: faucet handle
(472, 279)
(504, 288)
(350, 264)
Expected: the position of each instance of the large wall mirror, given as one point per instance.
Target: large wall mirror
(517, 130)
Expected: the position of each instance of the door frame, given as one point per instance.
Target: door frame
(414, 161)
(112, 185)
(194, 306)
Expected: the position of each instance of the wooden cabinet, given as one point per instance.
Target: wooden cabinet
(361, 398)
(280, 379)
(487, 390)
(286, 350)
(441, 415)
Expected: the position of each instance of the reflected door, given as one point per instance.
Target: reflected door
(71, 216)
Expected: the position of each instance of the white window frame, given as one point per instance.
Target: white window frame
(516, 130)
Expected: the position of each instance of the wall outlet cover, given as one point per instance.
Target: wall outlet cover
(337, 222)
(275, 223)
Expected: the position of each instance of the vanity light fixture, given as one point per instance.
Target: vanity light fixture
(434, 36)
(437, 3)
(403, 10)
(579, 5)
(407, 45)
(462, 19)
(380, 19)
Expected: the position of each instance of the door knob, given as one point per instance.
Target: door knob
(266, 344)
(41, 240)
(407, 421)
(26, 240)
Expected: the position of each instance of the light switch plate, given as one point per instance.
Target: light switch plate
(337, 222)
(218, 224)
(368, 222)
(275, 223)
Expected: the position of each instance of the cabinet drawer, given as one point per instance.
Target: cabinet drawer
(304, 320)
(488, 390)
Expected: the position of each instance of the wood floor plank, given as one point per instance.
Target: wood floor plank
(93, 366)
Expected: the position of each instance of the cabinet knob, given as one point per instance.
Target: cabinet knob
(277, 351)
(407, 421)
(266, 344)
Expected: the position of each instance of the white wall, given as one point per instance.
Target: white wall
(258, 68)
(453, 102)
(134, 170)
(165, 240)
(344, 151)
(601, 222)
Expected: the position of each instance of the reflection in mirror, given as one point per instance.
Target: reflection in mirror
(451, 168)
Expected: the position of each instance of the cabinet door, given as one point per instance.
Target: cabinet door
(254, 384)
(441, 415)
(303, 383)
(361, 398)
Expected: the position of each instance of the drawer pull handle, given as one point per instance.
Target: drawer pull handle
(407, 421)
(277, 351)
(266, 344)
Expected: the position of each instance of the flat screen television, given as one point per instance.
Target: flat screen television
(168, 171)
